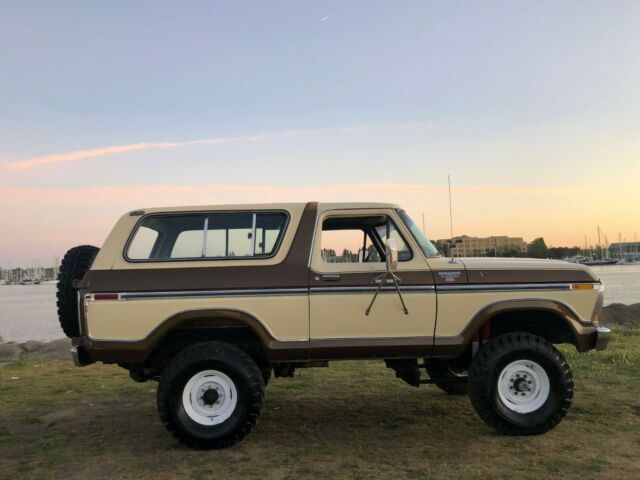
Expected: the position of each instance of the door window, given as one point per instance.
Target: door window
(360, 239)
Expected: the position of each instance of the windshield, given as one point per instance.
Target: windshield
(425, 244)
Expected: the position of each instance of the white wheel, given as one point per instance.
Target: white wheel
(523, 386)
(209, 397)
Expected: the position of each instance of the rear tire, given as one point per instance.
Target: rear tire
(75, 264)
(520, 384)
(210, 395)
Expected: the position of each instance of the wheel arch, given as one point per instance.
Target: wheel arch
(210, 319)
(199, 321)
(551, 319)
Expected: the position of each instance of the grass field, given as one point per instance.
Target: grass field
(352, 420)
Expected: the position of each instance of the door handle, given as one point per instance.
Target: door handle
(330, 277)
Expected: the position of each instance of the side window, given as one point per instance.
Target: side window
(404, 253)
(188, 244)
(359, 239)
(143, 243)
(215, 235)
(236, 235)
(229, 235)
(347, 246)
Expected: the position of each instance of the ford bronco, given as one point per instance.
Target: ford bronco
(212, 301)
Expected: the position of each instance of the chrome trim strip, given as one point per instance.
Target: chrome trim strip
(253, 235)
(204, 237)
(262, 291)
(212, 293)
(337, 289)
(372, 288)
(503, 287)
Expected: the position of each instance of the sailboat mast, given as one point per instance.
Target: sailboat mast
(620, 244)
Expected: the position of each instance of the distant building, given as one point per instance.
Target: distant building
(465, 246)
(624, 250)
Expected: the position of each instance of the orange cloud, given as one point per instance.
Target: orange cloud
(38, 223)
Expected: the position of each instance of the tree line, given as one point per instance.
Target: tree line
(537, 248)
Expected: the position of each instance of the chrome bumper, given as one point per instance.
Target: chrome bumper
(603, 334)
(80, 357)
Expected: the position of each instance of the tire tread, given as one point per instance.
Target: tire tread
(220, 351)
(75, 264)
(480, 370)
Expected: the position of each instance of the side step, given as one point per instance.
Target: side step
(408, 370)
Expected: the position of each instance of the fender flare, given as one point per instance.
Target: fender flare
(139, 350)
(580, 330)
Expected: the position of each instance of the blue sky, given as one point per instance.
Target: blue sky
(519, 97)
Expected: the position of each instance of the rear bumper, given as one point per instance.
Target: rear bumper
(80, 356)
(603, 334)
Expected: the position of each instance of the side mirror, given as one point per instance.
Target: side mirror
(392, 255)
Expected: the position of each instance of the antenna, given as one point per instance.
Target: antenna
(423, 229)
(450, 210)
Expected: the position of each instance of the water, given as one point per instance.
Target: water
(621, 283)
(28, 312)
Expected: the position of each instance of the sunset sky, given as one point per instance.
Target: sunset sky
(533, 108)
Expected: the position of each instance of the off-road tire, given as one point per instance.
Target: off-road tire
(75, 264)
(266, 375)
(225, 358)
(486, 368)
(441, 371)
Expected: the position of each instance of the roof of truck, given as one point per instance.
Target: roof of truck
(269, 206)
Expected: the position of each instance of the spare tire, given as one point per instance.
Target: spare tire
(75, 264)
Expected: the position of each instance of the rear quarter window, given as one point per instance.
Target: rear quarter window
(142, 242)
(210, 236)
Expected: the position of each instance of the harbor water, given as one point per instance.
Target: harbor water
(28, 312)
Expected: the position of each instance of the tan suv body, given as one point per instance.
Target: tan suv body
(268, 279)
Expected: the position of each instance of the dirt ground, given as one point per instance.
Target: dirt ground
(353, 420)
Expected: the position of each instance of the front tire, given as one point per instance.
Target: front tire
(210, 395)
(520, 384)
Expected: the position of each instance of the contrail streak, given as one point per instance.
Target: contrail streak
(117, 149)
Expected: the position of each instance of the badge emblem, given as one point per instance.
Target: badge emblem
(449, 276)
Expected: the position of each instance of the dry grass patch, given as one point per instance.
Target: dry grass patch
(353, 420)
